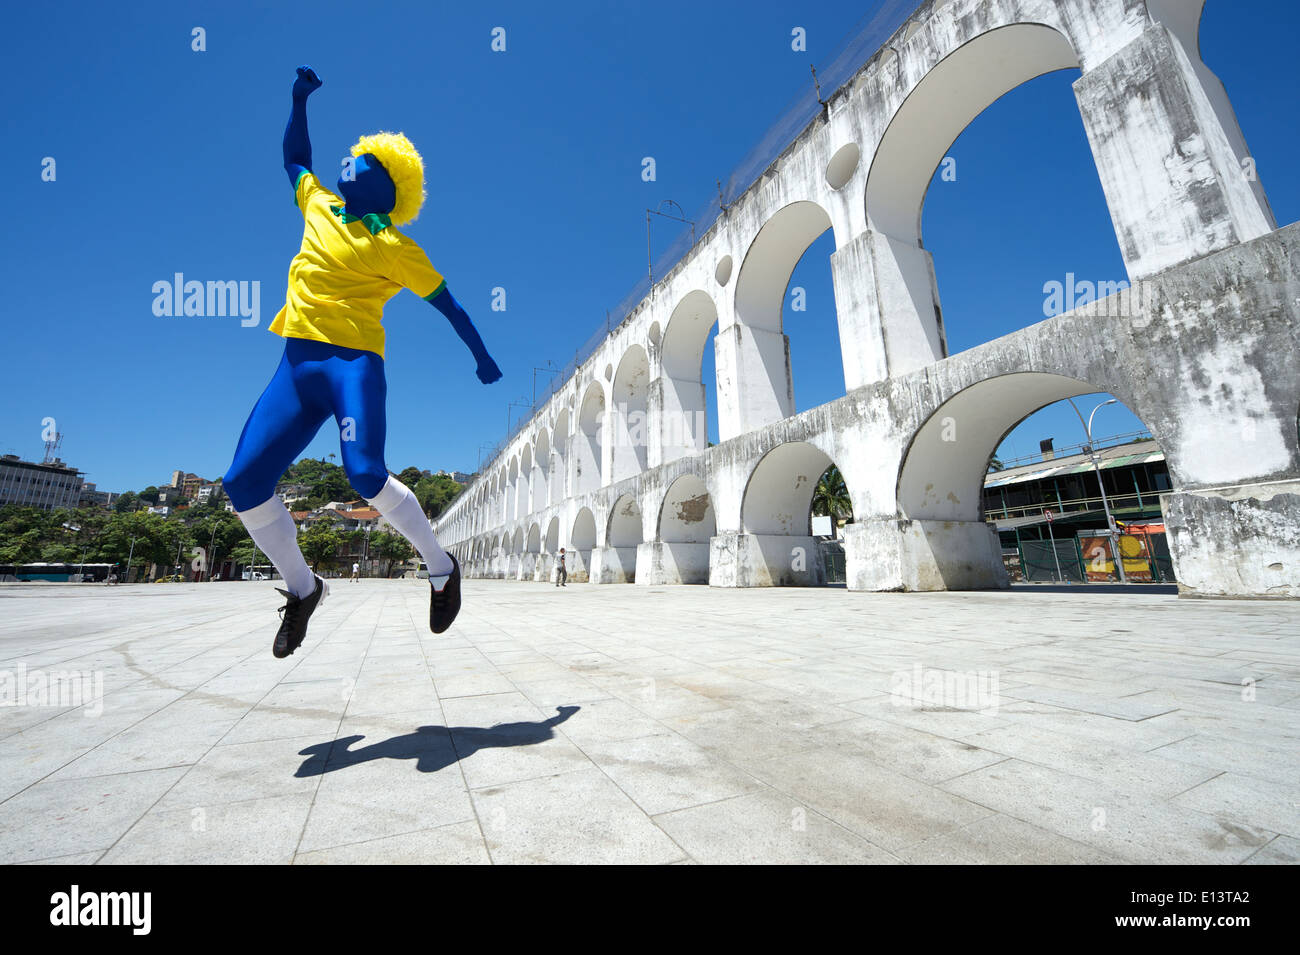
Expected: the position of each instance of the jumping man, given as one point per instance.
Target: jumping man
(351, 262)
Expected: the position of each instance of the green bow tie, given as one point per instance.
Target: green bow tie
(376, 222)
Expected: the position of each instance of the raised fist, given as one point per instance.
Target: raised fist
(488, 371)
(306, 83)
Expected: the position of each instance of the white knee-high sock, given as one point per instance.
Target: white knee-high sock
(272, 529)
(401, 508)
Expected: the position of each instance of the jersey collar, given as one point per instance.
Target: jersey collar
(376, 222)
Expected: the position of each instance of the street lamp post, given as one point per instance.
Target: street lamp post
(212, 540)
(130, 554)
(1105, 503)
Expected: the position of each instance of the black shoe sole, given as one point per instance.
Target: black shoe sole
(449, 614)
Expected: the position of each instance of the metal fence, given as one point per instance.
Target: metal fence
(1064, 559)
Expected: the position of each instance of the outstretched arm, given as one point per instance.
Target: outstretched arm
(442, 300)
(297, 146)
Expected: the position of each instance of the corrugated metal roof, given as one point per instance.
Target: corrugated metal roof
(1076, 464)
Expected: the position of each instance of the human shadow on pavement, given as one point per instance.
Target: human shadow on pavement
(432, 747)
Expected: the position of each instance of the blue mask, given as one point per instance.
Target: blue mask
(370, 190)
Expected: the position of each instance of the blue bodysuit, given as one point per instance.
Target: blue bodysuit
(316, 379)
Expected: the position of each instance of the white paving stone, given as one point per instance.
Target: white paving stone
(651, 725)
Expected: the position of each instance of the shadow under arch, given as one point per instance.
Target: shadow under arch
(588, 439)
(540, 482)
(582, 540)
(629, 444)
(623, 535)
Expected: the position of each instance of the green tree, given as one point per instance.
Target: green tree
(410, 476)
(319, 543)
(831, 498)
(127, 501)
(390, 548)
(435, 492)
(242, 553)
(149, 495)
(23, 532)
(215, 527)
(328, 482)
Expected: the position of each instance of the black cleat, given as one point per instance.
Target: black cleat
(294, 616)
(444, 604)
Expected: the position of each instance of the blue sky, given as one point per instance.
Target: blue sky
(168, 160)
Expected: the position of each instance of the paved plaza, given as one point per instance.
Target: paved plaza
(647, 725)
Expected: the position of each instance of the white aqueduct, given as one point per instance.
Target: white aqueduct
(1208, 355)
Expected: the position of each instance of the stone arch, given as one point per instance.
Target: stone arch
(539, 482)
(775, 546)
(615, 563)
(906, 329)
(684, 527)
(627, 417)
(512, 486)
(625, 526)
(758, 361)
(588, 440)
(942, 473)
(682, 415)
(940, 540)
(523, 497)
(770, 260)
(778, 495)
(552, 543)
(686, 515)
(558, 470)
(936, 111)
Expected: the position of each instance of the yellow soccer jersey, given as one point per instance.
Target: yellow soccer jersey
(345, 271)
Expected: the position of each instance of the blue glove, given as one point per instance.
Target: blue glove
(306, 83)
(487, 370)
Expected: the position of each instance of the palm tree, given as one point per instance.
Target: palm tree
(831, 498)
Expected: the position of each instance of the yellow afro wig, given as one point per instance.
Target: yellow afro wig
(404, 166)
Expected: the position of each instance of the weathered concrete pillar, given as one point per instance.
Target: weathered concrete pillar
(672, 562)
(1174, 183)
(613, 565)
(754, 384)
(764, 560)
(578, 563)
(910, 555)
(887, 302)
(1236, 541)
(607, 442)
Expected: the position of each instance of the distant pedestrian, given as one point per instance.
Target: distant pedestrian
(561, 574)
(356, 571)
